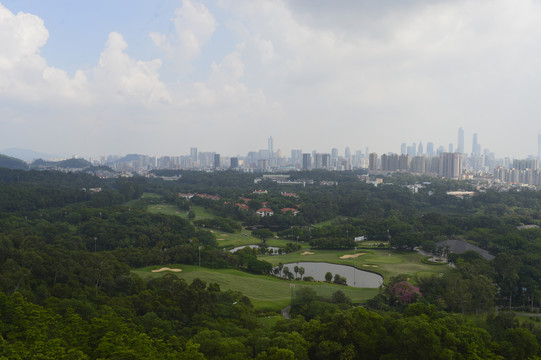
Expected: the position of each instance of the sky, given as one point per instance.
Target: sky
(97, 77)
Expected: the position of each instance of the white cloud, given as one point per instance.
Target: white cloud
(119, 78)
(194, 26)
(24, 74)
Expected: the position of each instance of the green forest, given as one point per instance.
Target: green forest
(73, 248)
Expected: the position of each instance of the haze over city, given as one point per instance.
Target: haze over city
(101, 77)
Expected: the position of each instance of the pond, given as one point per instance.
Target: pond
(355, 277)
(273, 248)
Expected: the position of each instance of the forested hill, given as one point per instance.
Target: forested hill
(67, 289)
(12, 163)
(69, 163)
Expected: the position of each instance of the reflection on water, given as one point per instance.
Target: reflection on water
(355, 277)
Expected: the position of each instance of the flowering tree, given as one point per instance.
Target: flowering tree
(405, 292)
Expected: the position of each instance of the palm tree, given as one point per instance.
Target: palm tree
(280, 266)
(301, 271)
(296, 269)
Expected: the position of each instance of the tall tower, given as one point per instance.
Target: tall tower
(271, 148)
(460, 147)
(475, 148)
(539, 148)
(420, 149)
(403, 149)
(193, 154)
(430, 149)
(373, 162)
(307, 161)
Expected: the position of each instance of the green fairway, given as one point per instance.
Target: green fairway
(200, 212)
(265, 291)
(229, 240)
(386, 263)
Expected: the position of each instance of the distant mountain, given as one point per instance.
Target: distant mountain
(12, 163)
(70, 163)
(26, 155)
(130, 157)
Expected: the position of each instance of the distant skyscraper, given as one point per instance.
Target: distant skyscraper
(347, 153)
(193, 153)
(216, 161)
(460, 147)
(420, 149)
(476, 147)
(334, 153)
(234, 162)
(539, 148)
(450, 165)
(296, 157)
(271, 147)
(430, 149)
(306, 161)
(403, 149)
(450, 148)
(373, 162)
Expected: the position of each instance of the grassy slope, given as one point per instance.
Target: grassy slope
(377, 260)
(271, 292)
(264, 291)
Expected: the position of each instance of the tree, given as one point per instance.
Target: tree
(301, 271)
(328, 276)
(191, 215)
(296, 269)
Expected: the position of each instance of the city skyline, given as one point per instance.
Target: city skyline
(101, 77)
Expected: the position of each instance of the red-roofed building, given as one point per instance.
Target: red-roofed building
(186, 196)
(207, 196)
(289, 194)
(243, 206)
(286, 210)
(264, 212)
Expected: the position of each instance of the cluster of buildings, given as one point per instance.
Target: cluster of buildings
(451, 161)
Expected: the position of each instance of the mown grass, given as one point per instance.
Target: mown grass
(167, 209)
(265, 291)
(384, 262)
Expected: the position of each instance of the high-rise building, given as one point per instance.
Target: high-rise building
(476, 147)
(450, 148)
(539, 148)
(403, 149)
(420, 149)
(193, 153)
(334, 153)
(306, 161)
(216, 161)
(296, 157)
(460, 147)
(318, 161)
(326, 161)
(418, 165)
(373, 162)
(234, 162)
(450, 165)
(347, 153)
(271, 147)
(430, 149)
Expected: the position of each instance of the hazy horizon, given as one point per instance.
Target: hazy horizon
(98, 78)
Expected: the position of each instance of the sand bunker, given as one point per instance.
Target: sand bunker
(166, 269)
(220, 239)
(223, 234)
(307, 253)
(366, 265)
(352, 256)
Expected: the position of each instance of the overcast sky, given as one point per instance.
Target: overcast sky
(158, 77)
